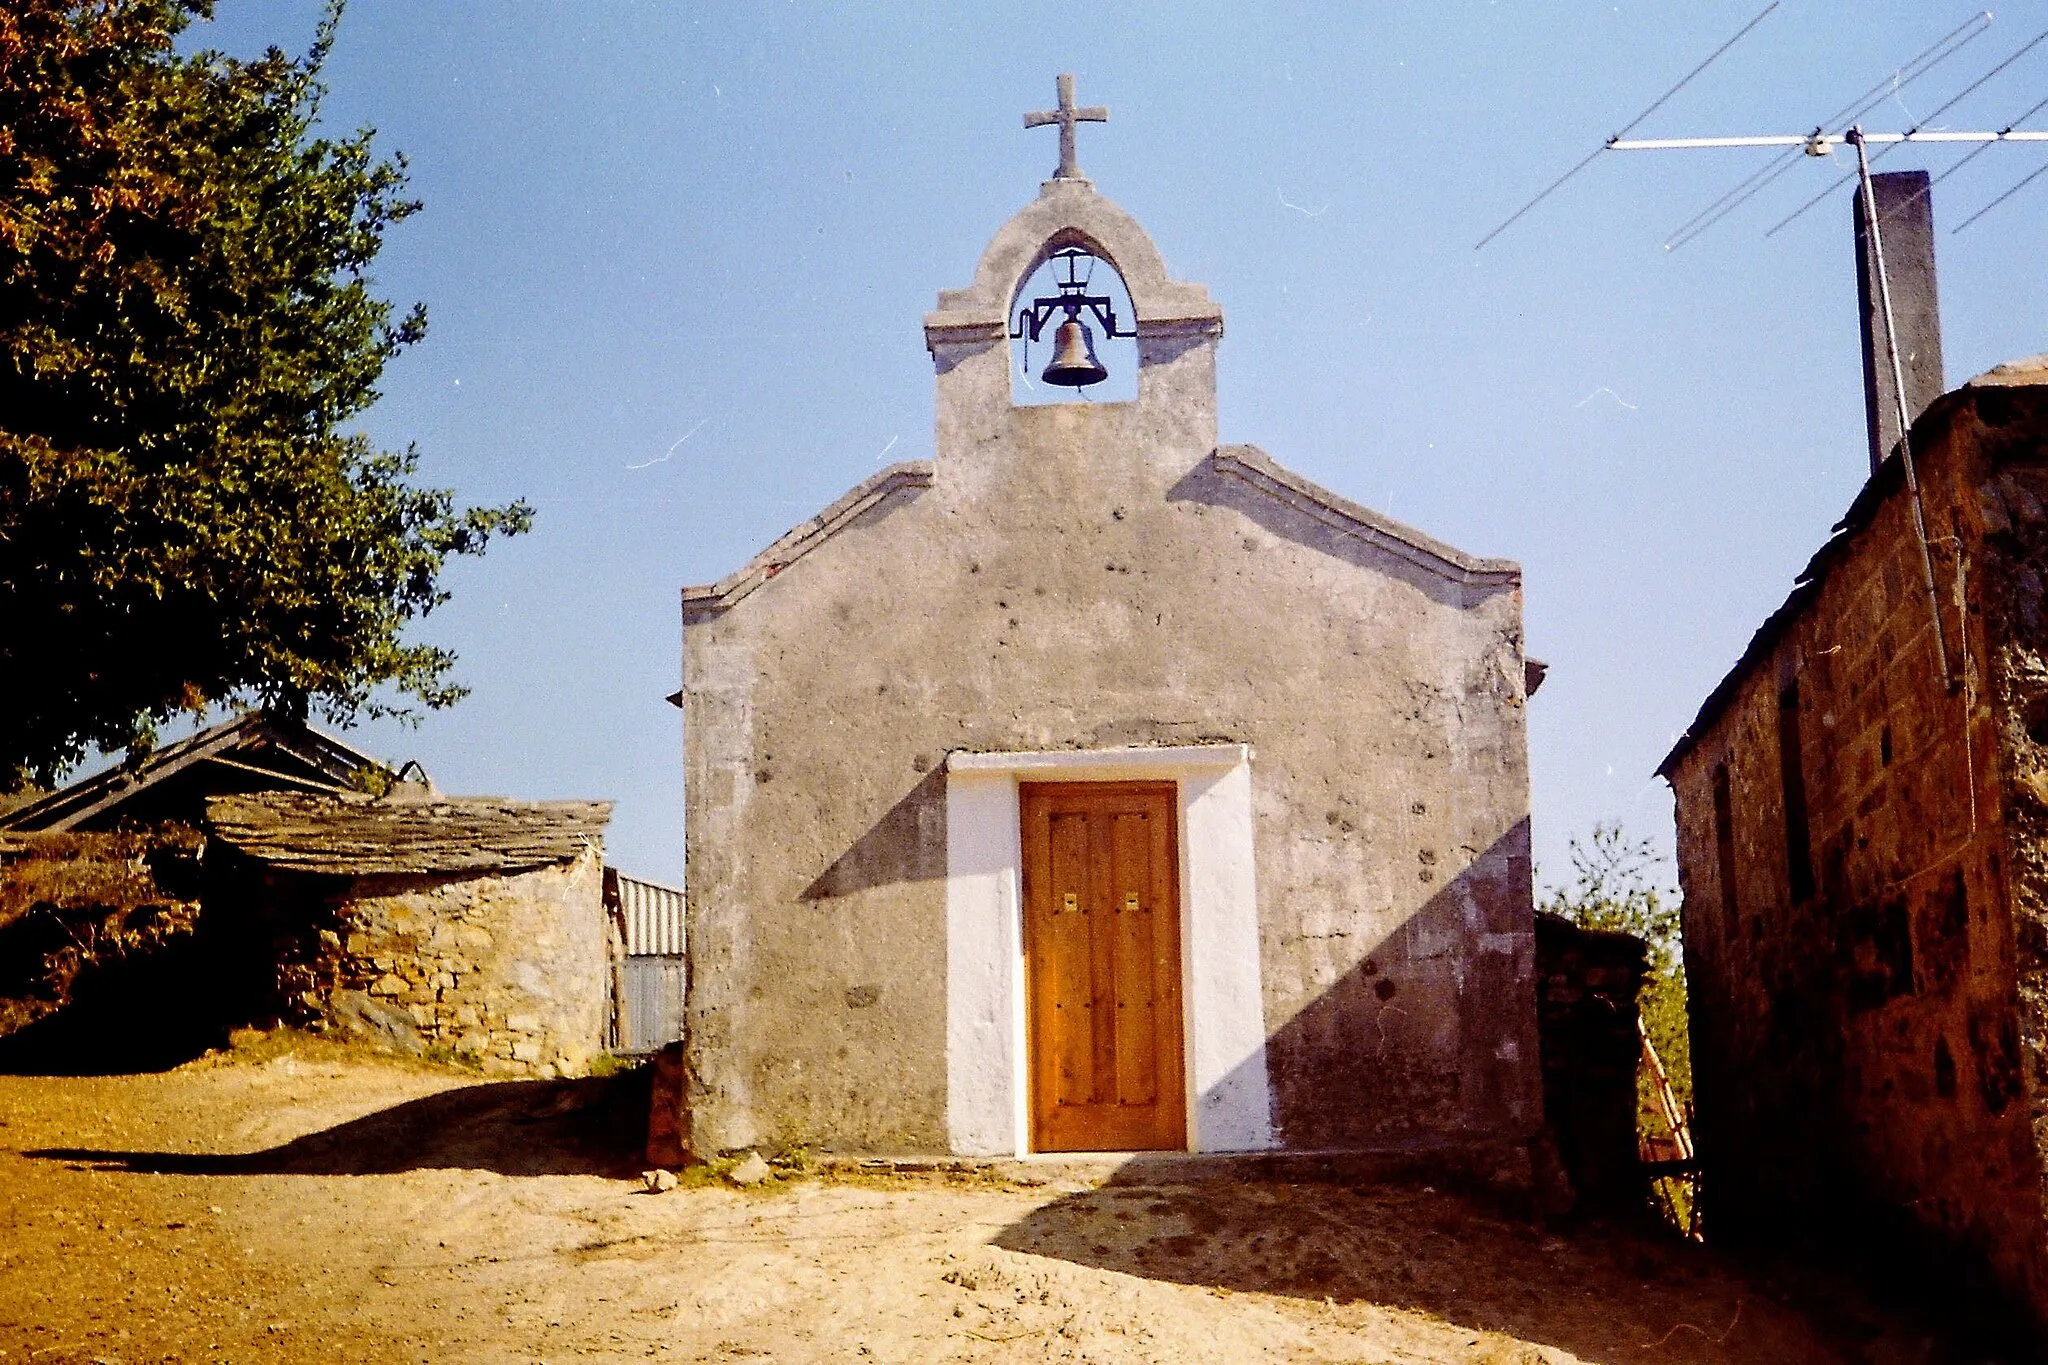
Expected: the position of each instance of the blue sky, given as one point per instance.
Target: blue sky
(676, 257)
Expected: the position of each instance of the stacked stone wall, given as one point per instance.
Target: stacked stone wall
(507, 970)
(1856, 1022)
(2009, 428)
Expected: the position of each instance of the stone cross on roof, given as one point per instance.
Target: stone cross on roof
(1066, 116)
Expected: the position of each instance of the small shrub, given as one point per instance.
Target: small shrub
(1616, 885)
(796, 1160)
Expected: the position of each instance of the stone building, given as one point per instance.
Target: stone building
(244, 874)
(472, 924)
(1097, 786)
(1862, 811)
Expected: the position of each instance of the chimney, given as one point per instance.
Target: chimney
(1905, 219)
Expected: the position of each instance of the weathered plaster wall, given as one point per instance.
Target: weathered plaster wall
(1858, 1044)
(509, 970)
(1087, 575)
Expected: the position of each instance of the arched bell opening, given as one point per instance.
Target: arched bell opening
(1073, 331)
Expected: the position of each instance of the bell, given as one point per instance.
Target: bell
(1073, 357)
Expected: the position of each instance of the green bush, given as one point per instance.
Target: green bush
(1616, 884)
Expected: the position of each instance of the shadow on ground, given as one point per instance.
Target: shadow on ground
(143, 1012)
(593, 1126)
(1607, 1294)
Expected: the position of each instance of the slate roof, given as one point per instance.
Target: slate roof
(350, 834)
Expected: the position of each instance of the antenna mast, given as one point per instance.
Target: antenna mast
(1820, 143)
(1891, 346)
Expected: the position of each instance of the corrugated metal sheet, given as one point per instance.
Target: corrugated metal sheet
(651, 1014)
(654, 918)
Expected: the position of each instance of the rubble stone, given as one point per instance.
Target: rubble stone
(752, 1170)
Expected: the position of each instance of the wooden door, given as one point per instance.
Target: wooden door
(1102, 966)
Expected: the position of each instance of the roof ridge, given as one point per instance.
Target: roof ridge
(807, 536)
(1874, 492)
(84, 798)
(1255, 467)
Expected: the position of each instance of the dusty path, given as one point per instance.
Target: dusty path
(298, 1205)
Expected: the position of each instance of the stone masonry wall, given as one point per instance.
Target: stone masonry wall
(2007, 427)
(1847, 861)
(508, 970)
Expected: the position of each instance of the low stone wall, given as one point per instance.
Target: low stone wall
(508, 970)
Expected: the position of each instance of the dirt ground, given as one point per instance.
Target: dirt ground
(293, 1201)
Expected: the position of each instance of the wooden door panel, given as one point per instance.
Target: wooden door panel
(1102, 965)
(1070, 1030)
(1101, 960)
(1131, 908)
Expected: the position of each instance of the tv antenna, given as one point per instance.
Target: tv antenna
(1844, 128)
(1656, 104)
(1821, 141)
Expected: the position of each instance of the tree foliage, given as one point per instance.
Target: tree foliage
(1615, 886)
(190, 327)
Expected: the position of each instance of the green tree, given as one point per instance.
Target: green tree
(1615, 886)
(186, 518)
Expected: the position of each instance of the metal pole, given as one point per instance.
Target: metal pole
(1891, 346)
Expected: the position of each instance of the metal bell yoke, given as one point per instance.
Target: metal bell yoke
(1074, 362)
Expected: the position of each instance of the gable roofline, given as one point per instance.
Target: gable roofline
(1255, 467)
(1246, 463)
(712, 598)
(94, 795)
(1878, 489)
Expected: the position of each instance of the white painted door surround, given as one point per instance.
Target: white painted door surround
(1230, 1105)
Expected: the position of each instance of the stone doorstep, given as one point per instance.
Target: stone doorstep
(1503, 1166)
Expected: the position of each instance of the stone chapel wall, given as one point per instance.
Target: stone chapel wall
(1082, 576)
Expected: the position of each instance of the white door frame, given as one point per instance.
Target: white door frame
(1230, 1107)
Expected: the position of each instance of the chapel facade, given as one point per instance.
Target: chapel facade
(1094, 786)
